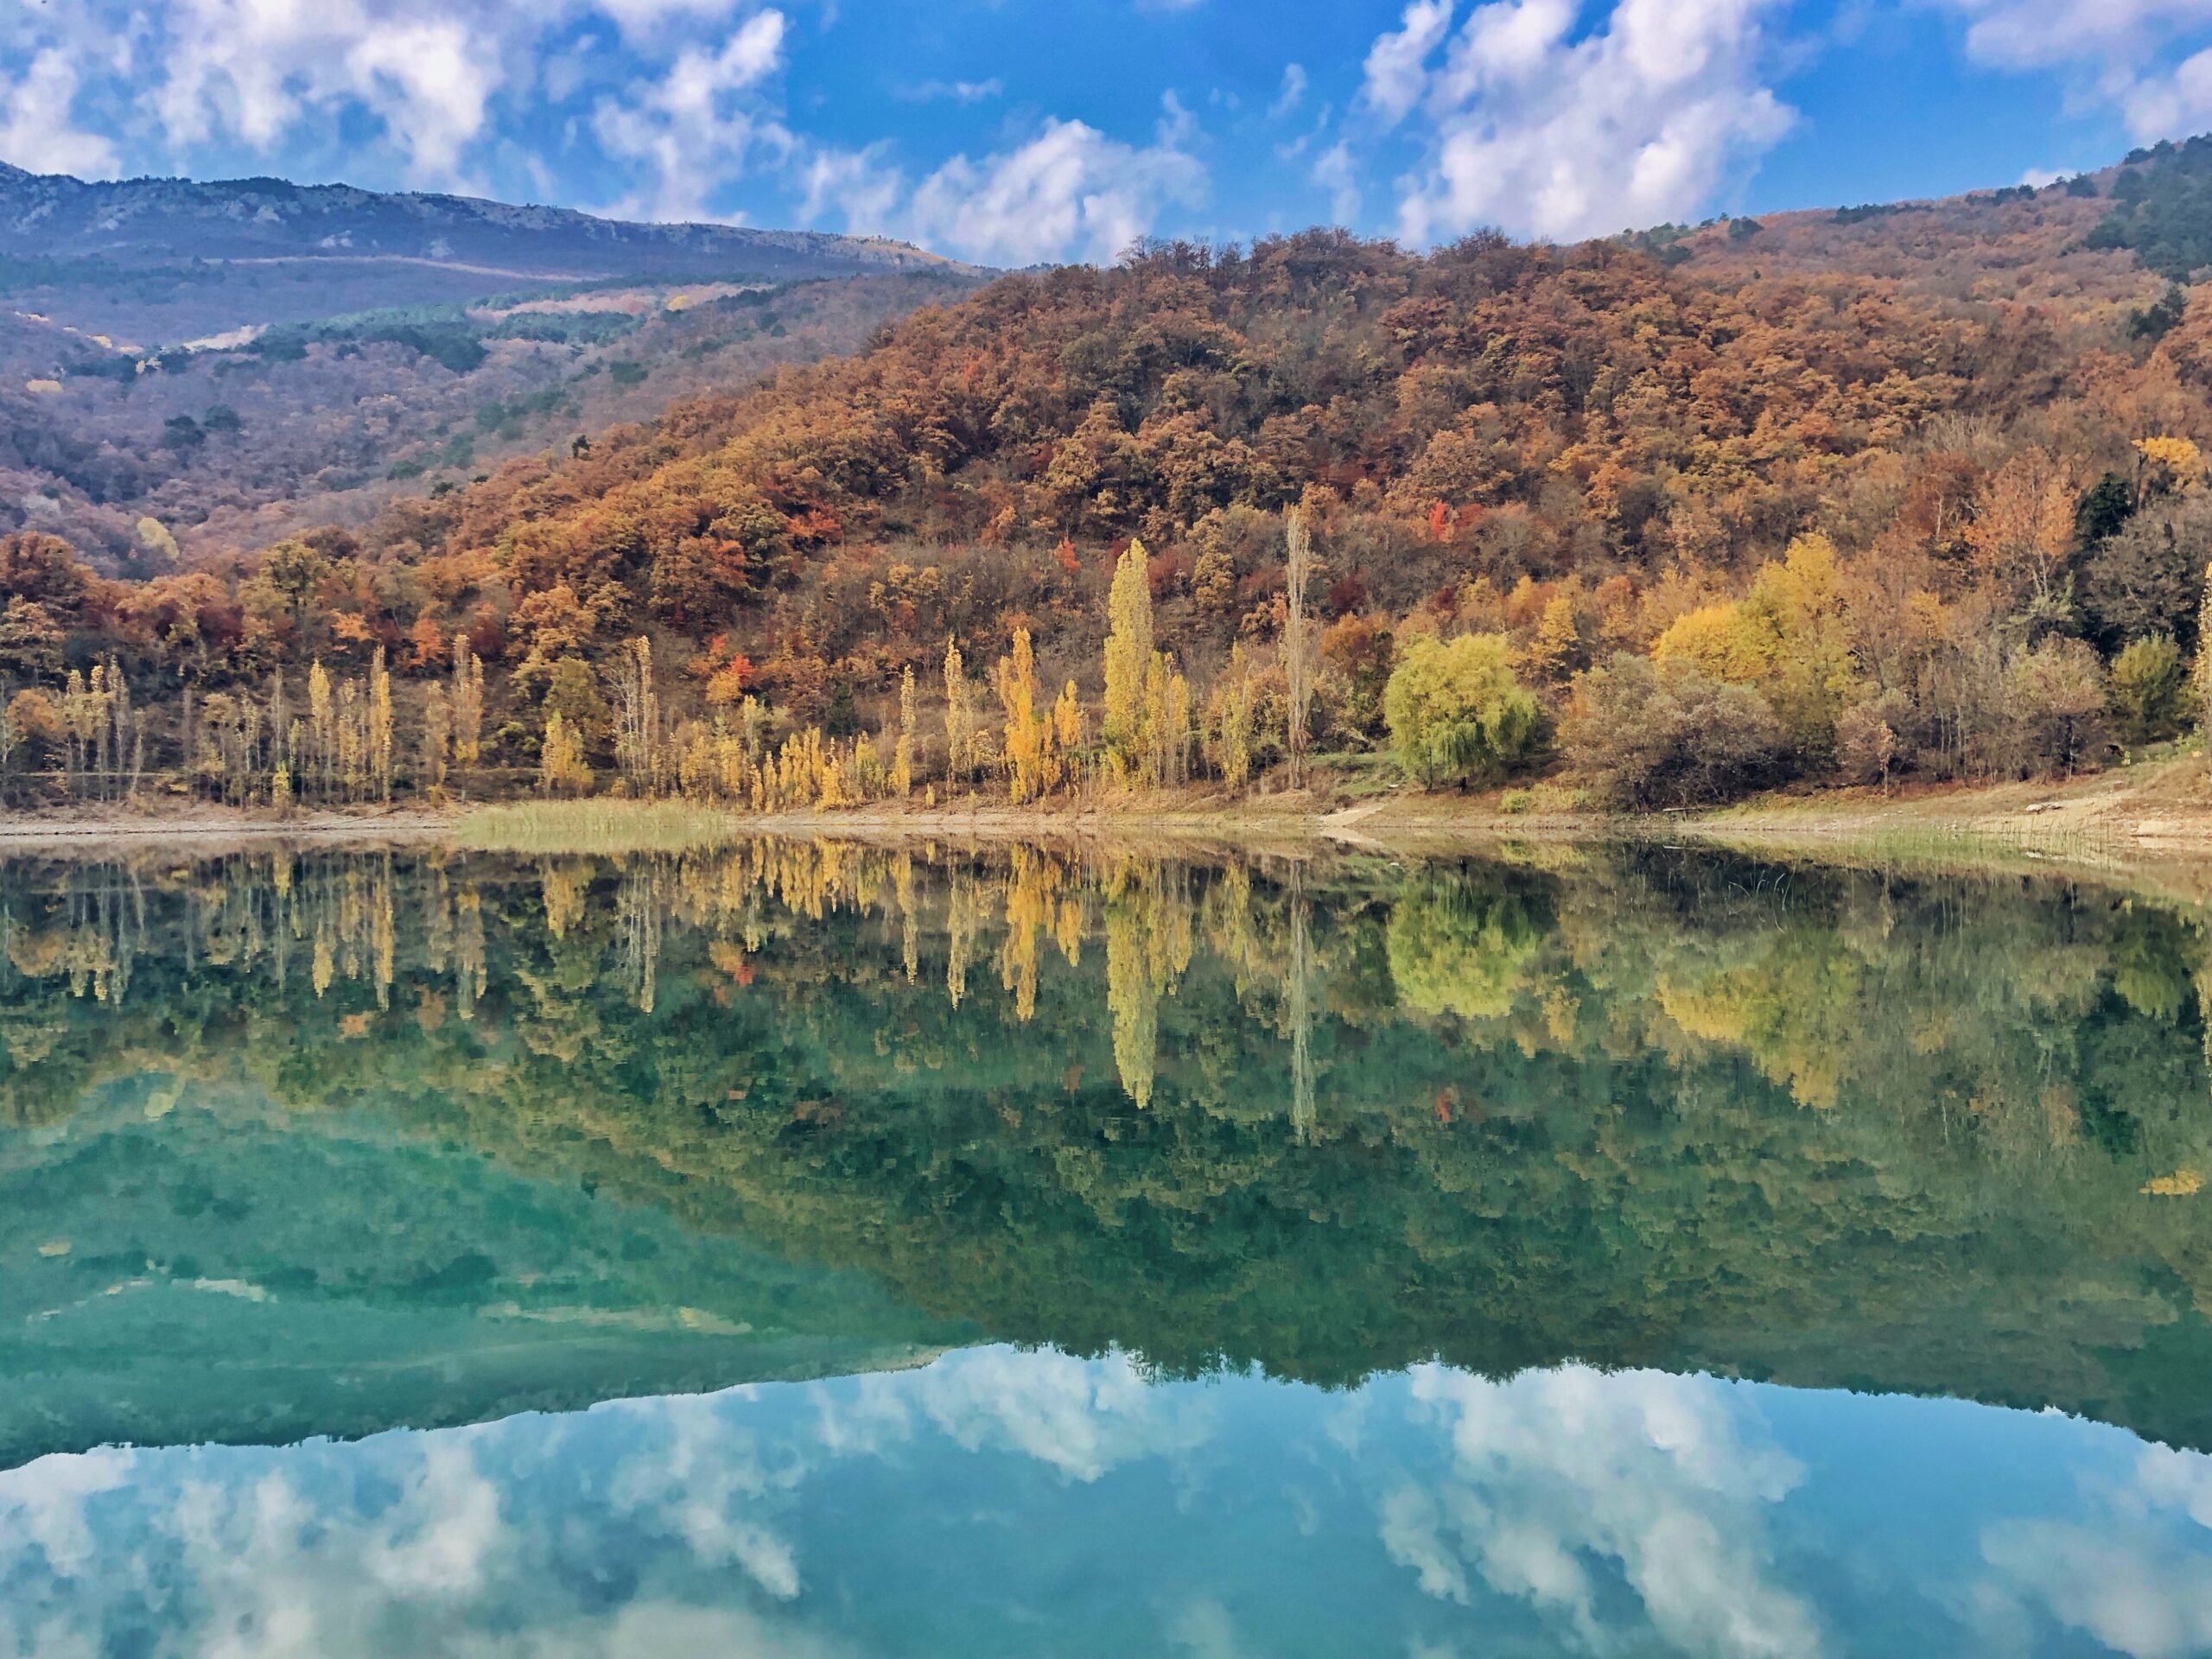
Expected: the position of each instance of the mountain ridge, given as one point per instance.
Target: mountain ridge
(58, 215)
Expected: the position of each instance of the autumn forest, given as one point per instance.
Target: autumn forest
(1856, 497)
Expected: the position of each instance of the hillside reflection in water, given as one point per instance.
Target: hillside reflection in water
(1375, 1235)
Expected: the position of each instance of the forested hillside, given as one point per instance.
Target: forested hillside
(229, 443)
(242, 360)
(1903, 490)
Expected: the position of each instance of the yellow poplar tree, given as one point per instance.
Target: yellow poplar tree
(1067, 721)
(1028, 733)
(380, 725)
(636, 718)
(323, 721)
(561, 768)
(1549, 653)
(467, 704)
(1175, 731)
(2203, 675)
(1233, 705)
(437, 738)
(352, 744)
(1297, 641)
(902, 763)
(1129, 660)
(956, 711)
(282, 760)
(1166, 725)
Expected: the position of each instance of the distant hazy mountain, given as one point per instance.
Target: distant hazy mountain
(141, 222)
(155, 262)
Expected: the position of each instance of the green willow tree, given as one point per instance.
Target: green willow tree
(1455, 710)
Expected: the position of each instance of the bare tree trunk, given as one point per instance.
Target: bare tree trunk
(637, 717)
(8, 743)
(1298, 669)
(1301, 1009)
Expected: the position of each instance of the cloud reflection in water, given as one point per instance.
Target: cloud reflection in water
(999, 1500)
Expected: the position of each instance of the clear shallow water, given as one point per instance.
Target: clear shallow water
(813, 1251)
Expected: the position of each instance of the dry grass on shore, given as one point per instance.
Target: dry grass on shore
(602, 825)
(2149, 823)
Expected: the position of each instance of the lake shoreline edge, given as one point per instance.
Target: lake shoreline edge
(2146, 824)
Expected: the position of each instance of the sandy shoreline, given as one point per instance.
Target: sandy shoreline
(2156, 820)
(97, 832)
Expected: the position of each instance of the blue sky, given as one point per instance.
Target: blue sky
(1011, 131)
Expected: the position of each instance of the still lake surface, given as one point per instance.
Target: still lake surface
(811, 1250)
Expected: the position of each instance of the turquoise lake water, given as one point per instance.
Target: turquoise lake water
(809, 1250)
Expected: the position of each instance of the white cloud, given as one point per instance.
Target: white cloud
(644, 18)
(657, 1628)
(1070, 191)
(1503, 46)
(436, 76)
(564, 73)
(1532, 128)
(2148, 1606)
(2179, 1481)
(457, 1527)
(1335, 171)
(1177, 126)
(696, 128)
(1292, 94)
(38, 129)
(1413, 1536)
(1396, 71)
(1658, 1475)
(861, 185)
(2117, 51)
(1627, 1512)
(2129, 1570)
(1083, 1418)
(44, 1504)
(252, 69)
(958, 91)
(2173, 105)
(271, 1567)
(701, 1480)
(1203, 1629)
(424, 80)
(2033, 34)
(682, 99)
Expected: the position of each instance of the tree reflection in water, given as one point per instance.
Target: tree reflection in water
(1328, 1117)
